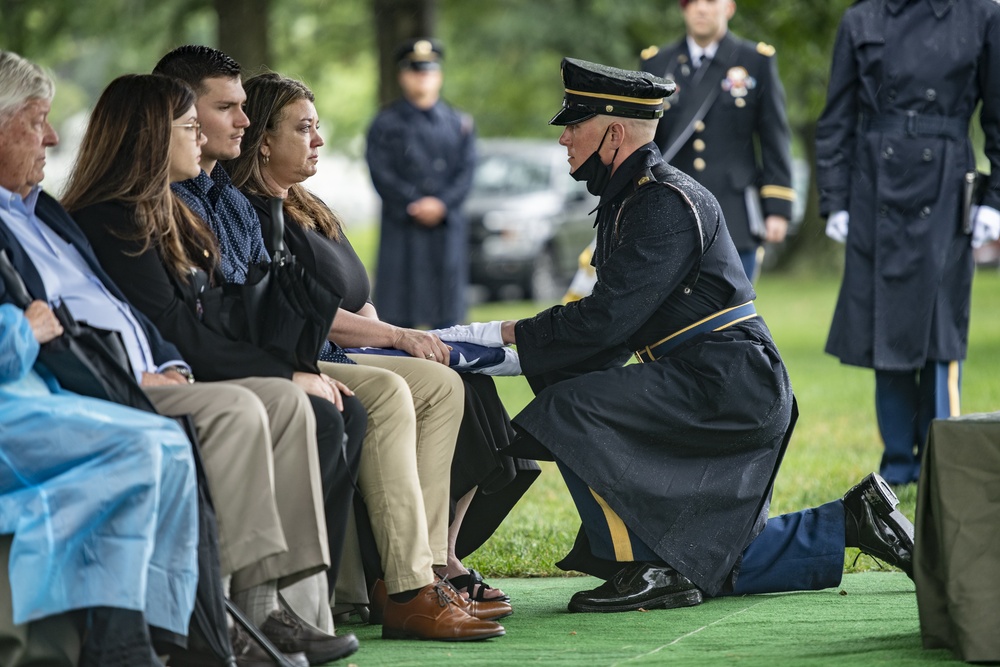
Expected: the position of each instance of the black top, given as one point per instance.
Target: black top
(170, 304)
(332, 262)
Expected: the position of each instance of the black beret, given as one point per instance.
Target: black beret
(419, 54)
(593, 89)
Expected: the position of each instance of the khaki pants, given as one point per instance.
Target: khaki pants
(414, 409)
(258, 443)
(48, 642)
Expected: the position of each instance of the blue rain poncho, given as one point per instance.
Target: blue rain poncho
(101, 499)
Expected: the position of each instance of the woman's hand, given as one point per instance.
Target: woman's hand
(423, 345)
(44, 323)
(324, 386)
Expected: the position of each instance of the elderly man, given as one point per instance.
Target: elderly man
(670, 461)
(270, 532)
(101, 501)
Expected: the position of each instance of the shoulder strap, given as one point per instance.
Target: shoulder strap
(646, 178)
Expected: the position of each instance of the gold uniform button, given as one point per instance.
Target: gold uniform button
(699, 164)
(699, 145)
(699, 126)
(740, 102)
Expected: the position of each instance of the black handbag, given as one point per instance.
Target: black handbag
(85, 360)
(280, 309)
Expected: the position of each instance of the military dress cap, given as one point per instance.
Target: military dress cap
(593, 89)
(419, 54)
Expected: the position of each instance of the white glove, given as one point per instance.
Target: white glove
(836, 226)
(511, 365)
(985, 225)
(481, 333)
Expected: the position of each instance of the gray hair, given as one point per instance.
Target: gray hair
(20, 81)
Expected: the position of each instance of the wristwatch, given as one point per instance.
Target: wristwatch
(182, 371)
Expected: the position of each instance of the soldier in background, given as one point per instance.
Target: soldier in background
(896, 175)
(726, 125)
(421, 154)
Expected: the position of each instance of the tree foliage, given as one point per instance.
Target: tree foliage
(502, 60)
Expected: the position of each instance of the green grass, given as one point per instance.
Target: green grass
(836, 441)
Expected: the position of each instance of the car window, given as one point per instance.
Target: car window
(510, 175)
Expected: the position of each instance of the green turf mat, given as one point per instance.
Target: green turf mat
(871, 619)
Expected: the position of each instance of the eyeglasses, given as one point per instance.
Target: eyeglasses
(196, 126)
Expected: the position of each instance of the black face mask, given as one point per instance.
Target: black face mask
(594, 171)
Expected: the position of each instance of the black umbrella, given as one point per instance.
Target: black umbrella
(280, 309)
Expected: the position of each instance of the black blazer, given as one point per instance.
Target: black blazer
(52, 214)
(168, 302)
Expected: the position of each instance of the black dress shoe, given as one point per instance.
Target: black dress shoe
(874, 525)
(639, 586)
(293, 635)
(247, 652)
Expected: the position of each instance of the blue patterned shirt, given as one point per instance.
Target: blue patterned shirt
(231, 216)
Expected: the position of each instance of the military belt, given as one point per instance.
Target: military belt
(913, 124)
(717, 322)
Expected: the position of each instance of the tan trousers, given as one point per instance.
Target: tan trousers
(414, 409)
(258, 443)
(48, 642)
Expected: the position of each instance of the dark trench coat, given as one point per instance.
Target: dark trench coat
(422, 272)
(893, 150)
(684, 449)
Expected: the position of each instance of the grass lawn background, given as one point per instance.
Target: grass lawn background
(836, 440)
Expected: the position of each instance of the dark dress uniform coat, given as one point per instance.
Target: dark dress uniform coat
(727, 128)
(893, 150)
(685, 448)
(422, 272)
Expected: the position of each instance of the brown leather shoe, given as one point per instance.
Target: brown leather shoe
(487, 610)
(433, 614)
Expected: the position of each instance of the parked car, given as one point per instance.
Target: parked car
(528, 219)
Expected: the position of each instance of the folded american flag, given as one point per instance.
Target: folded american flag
(465, 358)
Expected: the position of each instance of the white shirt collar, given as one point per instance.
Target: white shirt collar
(696, 51)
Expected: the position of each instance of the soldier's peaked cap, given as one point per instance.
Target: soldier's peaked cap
(419, 54)
(593, 89)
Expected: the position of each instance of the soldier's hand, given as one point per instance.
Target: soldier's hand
(985, 225)
(836, 226)
(428, 211)
(775, 228)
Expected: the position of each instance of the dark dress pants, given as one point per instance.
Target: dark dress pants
(338, 437)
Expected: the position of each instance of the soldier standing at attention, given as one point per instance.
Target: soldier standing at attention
(421, 155)
(896, 175)
(726, 125)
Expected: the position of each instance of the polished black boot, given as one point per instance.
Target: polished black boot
(875, 526)
(639, 586)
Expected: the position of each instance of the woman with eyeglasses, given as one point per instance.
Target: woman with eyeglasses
(270, 496)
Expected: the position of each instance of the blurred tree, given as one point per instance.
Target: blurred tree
(394, 22)
(244, 31)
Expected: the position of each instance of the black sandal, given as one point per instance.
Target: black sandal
(470, 581)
